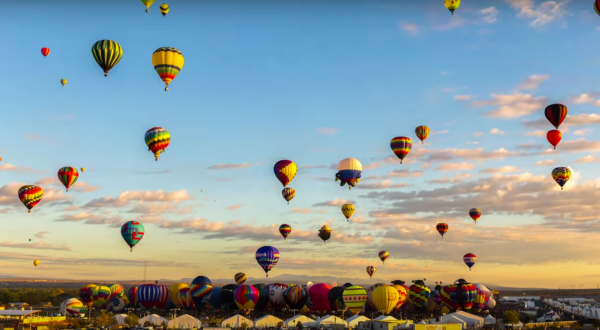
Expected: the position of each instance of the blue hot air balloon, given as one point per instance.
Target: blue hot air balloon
(201, 290)
(267, 257)
(132, 232)
(215, 298)
(349, 171)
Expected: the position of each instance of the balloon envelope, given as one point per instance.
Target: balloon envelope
(319, 296)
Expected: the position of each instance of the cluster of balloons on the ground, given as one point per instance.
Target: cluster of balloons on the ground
(309, 298)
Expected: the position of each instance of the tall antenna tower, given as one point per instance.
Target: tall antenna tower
(145, 264)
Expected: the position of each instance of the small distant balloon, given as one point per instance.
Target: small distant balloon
(45, 51)
(561, 175)
(442, 228)
(83, 169)
(164, 9)
(556, 113)
(147, 3)
(554, 136)
(470, 259)
(371, 270)
(157, 139)
(325, 233)
(285, 230)
(475, 214)
(36, 262)
(452, 5)
(67, 176)
(240, 278)
(422, 133)
(288, 193)
(401, 146)
(348, 211)
(384, 255)
(63, 82)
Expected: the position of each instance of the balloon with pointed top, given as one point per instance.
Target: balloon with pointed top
(554, 136)
(45, 51)
(288, 193)
(285, 171)
(384, 255)
(157, 140)
(442, 228)
(422, 133)
(63, 82)
(561, 175)
(167, 62)
(67, 176)
(30, 196)
(349, 172)
(470, 259)
(348, 211)
(132, 232)
(325, 233)
(371, 270)
(452, 5)
(267, 258)
(164, 9)
(147, 3)
(107, 54)
(475, 214)
(240, 278)
(401, 146)
(285, 230)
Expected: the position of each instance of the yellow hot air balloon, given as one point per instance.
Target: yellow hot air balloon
(452, 5)
(348, 210)
(36, 262)
(164, 9)
(83, 169)
(175, 292)
(147, 3)
(385, 298)
(167, 62)
(324, 233)
(63, 81)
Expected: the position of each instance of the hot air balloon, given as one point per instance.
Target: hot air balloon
(157, 140)
(554, 136)
(227, 297)
(30, 196)
(348, 210)
(371, 270)
(556, 113)
(325, 233)
(288, 194)
(285, 230)
(276, 295)
(45, 51)
(132, 296)
(383, 255)
(401, 146)
(174, 289)
(475, 214)
(85, 294)
(240, 278)
(596, 6)
(267, 257)
(285, 171)
(167, 62)
(319, 296)
(263, 299)
(481, 300)
(107, 54)
(442, 228)
(132, 232)
(148, 295)
(336, 300)
(36, 262)
(452, 5)
(460, 295)
(422, 133)
(116, 291)
(246, 297)
(419, 293)
(67, 176)
(355, 297)
(116, 305)
(402, 295)
(72, 307)
(295, 297)
(185, 299)
(561, 175)
(100, 296)
(63, 82)
(83, 169)
(201, 290)
(147, 3)
(470, 259)
(385, 298)
(164, 9)
(372, 288)
(349, 171)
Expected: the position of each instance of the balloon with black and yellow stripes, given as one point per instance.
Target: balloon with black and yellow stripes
(107, 54)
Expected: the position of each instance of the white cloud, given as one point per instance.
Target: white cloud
(496, 131)
(541, 15)
(328, 130)
(532, 82)
(478, 134)
(455, 167)
(587, 159)
(409, 28)
(463, 97)
(512, 106)
(587, 99)
(537, 133)
(489, 15)
(546, 162)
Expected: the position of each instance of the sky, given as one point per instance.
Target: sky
(314, 82)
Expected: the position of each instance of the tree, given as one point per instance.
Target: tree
(510, 317)
(280, 324)
(299, 325)
(105, 319)
(132, 320)
(244, 325)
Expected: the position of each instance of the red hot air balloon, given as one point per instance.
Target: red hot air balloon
(556, 113)
(285, 230)
(554, 136)
(45, 51)
(442, 228)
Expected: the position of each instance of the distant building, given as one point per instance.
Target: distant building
(18, 305)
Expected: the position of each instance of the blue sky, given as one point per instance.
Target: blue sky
(314, 82)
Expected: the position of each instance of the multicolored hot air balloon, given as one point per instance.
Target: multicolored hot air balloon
(442, 228)
(30, 196)
(349, 172)
(285, 171)
(483, 296)
(556, 113)
(288, 194)
(67, 176)
(267, 257)
(185, 298)
(246, 297)
(554, 136)
(100, 296)
(276, 295)
(116, 291)
(147, 3)
(85, 294)
(422, 133)
(371, 270)
(419, 293)
(107, 54)
(370, 294)
(164, 9)
(475, 214)
(383, 255)
(200, 290)
(157, 139)
(36, 262)
(240, 278)
(45, 51)
(348, 210)
(385, 298)
(336, 300)
(295, 297)
(459, 296)
(401, 146)
(319, 296)
(63, 82)
(452, 5)
(561, 175)
(402, 295)
(167, 62)
(174, 289)
(355, 297)
(285, 230)
(325, 233)
(72, 307)
(470, 259)
(132, 296)
(132, 232)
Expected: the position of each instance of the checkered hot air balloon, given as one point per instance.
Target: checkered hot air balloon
(285, 171)
(401, 146)
(459, 296)
(132, 232)
(419, 293)
(201, 289)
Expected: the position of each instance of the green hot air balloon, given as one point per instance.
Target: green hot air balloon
(107, 54)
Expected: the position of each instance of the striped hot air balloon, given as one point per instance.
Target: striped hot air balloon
(556, 113)
(419, 293)
(401, 146)
(240, 278)
(371, 270)
(422, 133)
(470, 259)
(149, 295)
(30, 196)
(561, 175)
(459, 296)
(384, 255)
(85, 294)
(355, 297)
(185, 299)
(132, 296)
(157, 139)
(285, 230)
(295, 297)
(167, 62)
(107, 54)
(164, 9)
(116, 291)
(285, 171)
(288, 194)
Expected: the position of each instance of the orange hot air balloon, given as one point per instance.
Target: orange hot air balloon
(554, 136)
(45, 51)
(442, 228)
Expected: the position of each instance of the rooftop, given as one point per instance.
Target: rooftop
(18, 312)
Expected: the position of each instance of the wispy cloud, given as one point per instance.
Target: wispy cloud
(532, 82)
(541, 15)
(41, 234)
(230, 166)
(512, 106)
(463, 97)
(409, 28)
(496, 131)
(335, 202)
(37, 245)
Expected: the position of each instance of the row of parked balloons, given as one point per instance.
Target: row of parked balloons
(309, 298)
